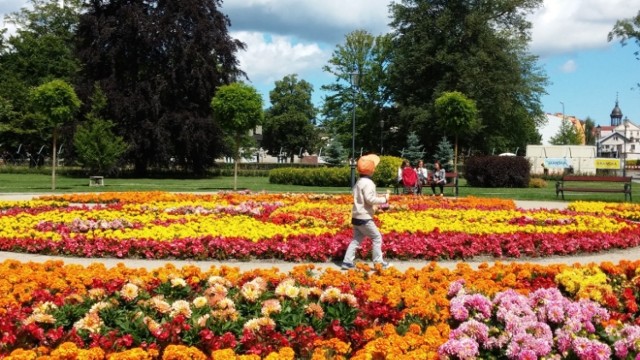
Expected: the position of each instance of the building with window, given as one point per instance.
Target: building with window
(620, 139)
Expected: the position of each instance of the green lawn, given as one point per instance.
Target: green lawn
(39, 183)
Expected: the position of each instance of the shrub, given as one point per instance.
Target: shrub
(335, 176)
(387, 171)
(497, 171)
(537, 183)
(385, 174)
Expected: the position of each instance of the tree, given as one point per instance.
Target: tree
(414, 150)
(289, 122)
(335, 154)
(627, 30)
(479, 48)
(57, 102)
(444, 154)
(40, 50)
(566, 135)
(159, 63)
(367, 56)
(589, 131)
(458, 116)
(97, 147)
(237, 107)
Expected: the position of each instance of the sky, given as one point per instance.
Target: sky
(586, 72)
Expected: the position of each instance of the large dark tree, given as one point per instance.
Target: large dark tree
(159, 63)
(478, 48)
(289, 122)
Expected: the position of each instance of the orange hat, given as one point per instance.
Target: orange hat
(367, 164)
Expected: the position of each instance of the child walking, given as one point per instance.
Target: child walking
(364, 199)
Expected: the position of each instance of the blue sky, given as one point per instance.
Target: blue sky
(585, 71)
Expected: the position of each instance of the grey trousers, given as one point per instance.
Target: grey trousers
(359, 233)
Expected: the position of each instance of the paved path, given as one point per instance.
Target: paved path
(613, 256)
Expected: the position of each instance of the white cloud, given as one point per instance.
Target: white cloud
(569, 26)
(269, 59)
(569, 66)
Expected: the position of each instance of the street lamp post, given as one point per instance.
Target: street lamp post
(598, 134)
(381, 136)
(624, 165)
(354, 77)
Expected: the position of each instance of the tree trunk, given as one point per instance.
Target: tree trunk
(455, 156)
(54, 160)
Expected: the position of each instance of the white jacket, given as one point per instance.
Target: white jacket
(364, 197)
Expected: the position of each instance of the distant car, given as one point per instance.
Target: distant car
(507, 154)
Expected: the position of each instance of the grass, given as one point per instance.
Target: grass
(41, 183)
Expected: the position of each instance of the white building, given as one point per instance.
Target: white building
(620, 140)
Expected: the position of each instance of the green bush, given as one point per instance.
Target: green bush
(387, 171)
(385, 174)
(497, 171)
(334, 176)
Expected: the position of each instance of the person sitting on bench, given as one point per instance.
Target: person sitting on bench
(439, 178)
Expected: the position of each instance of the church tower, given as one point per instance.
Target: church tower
(616, 115)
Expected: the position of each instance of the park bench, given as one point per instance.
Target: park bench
(596, 184)
(452, 182)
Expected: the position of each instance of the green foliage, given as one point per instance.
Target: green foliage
(477, 48)
(335, 176)
(369, 57)
(238, 109)
(387, 171)
(497, 171)
(626, 30)
(335, 154)
(385, 175)
(567, 135)
(97, 147)
(589, 131)
(56, 101)
(414, 150)
(444, 154)
(457, 115)
(289, 123)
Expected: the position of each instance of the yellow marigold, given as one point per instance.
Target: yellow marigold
(131, 354)
(224, 354)
(21, 354)
(181, 352)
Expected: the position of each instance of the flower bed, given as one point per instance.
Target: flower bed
(57, 311)
(303, 227)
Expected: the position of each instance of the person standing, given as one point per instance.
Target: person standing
(364, 199)
(439, 178)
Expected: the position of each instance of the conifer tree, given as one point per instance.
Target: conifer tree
(414, 150)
